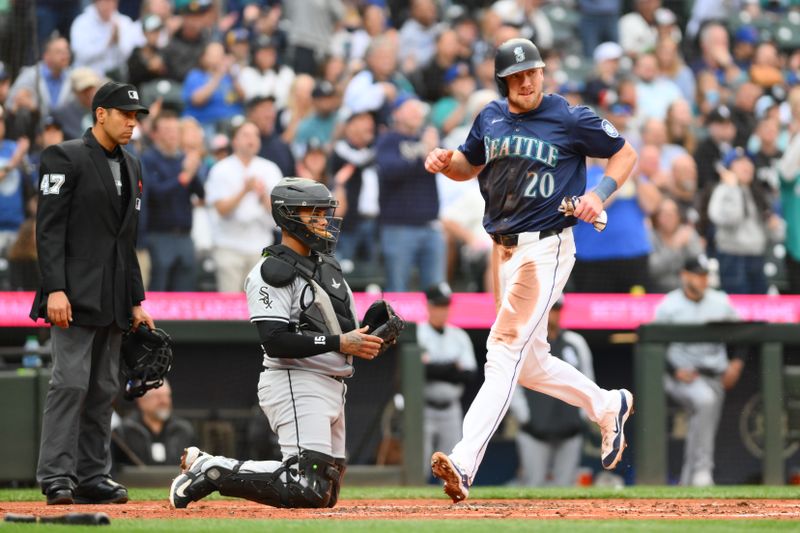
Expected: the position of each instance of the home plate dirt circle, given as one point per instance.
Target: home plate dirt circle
(420, 509)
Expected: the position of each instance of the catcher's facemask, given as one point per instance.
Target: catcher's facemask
(147, 357)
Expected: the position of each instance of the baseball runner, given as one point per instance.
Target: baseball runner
(529, 152)
(305, 316)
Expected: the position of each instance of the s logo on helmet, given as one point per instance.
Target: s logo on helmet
(519, 54)
(610, 130)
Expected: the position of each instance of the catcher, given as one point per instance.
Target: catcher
(305, 316)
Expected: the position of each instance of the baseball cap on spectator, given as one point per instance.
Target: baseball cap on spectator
(747, 34)
(82, 78)
(52, 122)
(456, 71)
(719, 114)
(439, 295)
(733, 154)
(193, 7)
(763, 105)
(665, 17)
(323, 89)
(607, 51)
(237, 35)
(697, 264)
(621, 110)
(116, 95)
(254, 101)
(152, 22)
(264, 41)
(314, 144)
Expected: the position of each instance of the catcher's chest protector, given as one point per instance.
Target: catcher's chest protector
(323, 274)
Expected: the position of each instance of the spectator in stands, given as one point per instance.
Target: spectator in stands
(766, 154)
(320, 124)
(680, 125)
(619, 255)
(766, 70)
(684, 185)
(743, 111)
(744, 224)
(152, 434)
(621, 116)
(721, 135)
(672, 67)
(54, 17)
(411, 235)
(48, 79)
(527, 16)
(188, 44)
(238, 188)
(715, 55)
(673, 241)
(148, 61)
(654, 92)
(745, 41)
(550, 437)
(298, 106)
(163, 9)
(376, 87)
(450, 111)
(314, 162)
(606, 74)
(266, 76)
(429, 78)
(698, 374)
(789, 171)
(171, 182)
(5, 83)
(598, 24)
(237, 45)
(22, 117)
(416, 43)
(374, 23)
(654, 132)
(638, 30)
(449, 361)
(14, 189)
(102, 38)
(75, 116)
(356, 186)
(210, 92)
(261, 112)
(311, 26)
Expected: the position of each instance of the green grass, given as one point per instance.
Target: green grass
(360, 493)
(419, 526)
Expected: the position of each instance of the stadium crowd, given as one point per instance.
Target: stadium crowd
(356, 92)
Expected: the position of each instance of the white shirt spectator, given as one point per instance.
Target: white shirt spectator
(654, 98)
(248, 228)
(90, 38)
(535, 24)
(417, 42)
(363, 93)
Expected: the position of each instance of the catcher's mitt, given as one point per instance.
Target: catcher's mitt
(568, 205)
(146, 357)
(383, 322)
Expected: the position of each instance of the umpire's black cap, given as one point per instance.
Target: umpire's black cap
(440, 294)
(116, 95)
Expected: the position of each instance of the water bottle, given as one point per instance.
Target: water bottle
(31, 358)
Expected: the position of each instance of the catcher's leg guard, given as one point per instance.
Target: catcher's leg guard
(318, 474)
(341, 466)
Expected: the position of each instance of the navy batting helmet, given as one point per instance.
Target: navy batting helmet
(514, 55)
(291, 194)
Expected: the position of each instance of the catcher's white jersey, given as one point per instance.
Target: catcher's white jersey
(285, 304)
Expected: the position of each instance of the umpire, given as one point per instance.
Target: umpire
(89, 201)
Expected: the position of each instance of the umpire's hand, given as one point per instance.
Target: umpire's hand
(59, 310)
(359, 343)
(140, 316)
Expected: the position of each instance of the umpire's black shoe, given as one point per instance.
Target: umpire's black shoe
(59, 494)
(107, 491)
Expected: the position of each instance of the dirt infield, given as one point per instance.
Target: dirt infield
(629, 509)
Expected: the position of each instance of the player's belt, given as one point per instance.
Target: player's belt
(513, 238)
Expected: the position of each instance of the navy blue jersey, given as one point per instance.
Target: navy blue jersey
(534, 159)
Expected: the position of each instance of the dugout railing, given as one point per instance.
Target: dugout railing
(650, 428)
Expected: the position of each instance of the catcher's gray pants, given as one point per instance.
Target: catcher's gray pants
(76, 428)
(703, 399)
(305, 410)
(538, 458)
(442, 430)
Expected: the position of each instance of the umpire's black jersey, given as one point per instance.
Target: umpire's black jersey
(86, 232)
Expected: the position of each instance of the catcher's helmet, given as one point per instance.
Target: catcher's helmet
(147, 357)
(289, 195)
(514, 55)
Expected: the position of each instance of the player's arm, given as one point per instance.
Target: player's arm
(279, 341)
(618, 169)
(451, 163)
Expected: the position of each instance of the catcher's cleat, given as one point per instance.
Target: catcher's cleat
(191, 485)
(456, 484)
(612, 429)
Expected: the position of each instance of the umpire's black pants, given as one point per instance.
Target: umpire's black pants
(76, 428)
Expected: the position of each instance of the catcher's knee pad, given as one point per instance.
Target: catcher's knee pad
(319, 474)
(341, 466)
